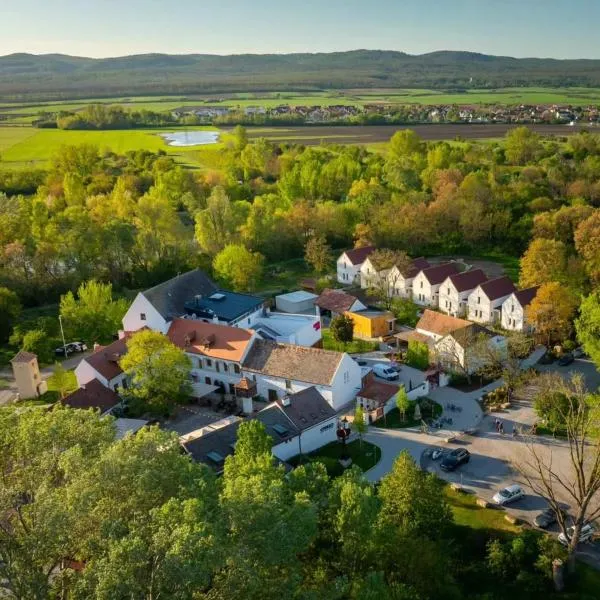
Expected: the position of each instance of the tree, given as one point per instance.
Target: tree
(159, 372)
(543, 262)
(402, 402)
(389, 266)
(240, 137)
(551, 312)
(238, 267)
(522, 145)
(317, 253)
(405, 311)
(587, 242)
(417, 355)
(216, 224)
(342, 329)
(359, 424)
(588, 326)
(61, 380)
(581, 482)
(37, 341)
(94, 316)
(10, 309)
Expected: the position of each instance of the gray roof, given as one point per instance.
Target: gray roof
(297, 363)
(225, 305)
(169, 297)
(212, 448)
(306, 408)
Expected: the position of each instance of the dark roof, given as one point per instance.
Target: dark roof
(336, 301)
(106, 358)
(92, 395)
(466, 335)
(378, 391)
(526, 296)
(357, 256)
(468, 280)
(305, 409)
(226, 306)
(496, 288)
(438, 273)
(298, 363)
(417, 264)
(23, 357)
(169, 297)
(213, 448)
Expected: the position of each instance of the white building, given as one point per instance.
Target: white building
(426, 284)
(279, 370)
(455, 290)
(513, 309)
(435, 325)
(485, 301)
(296, 302)
(400, 284)
(302, 330)
(103, 365)
(350, 262)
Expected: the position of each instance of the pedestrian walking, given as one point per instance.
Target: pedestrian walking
(502, 428)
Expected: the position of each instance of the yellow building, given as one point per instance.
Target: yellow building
(372, 323)
(27, 375)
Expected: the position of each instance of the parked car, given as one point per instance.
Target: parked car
(579, 352)
(547, 359)
(566, 359)
(508, 494)
(545, 518)
(587, 531)
(385, 371)
(454, 459)
(70, 348)
(395, 366)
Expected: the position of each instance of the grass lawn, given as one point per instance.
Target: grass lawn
(4, 384)
(365, 458)
(352, 347)
(393, 419)
(284, 276)
(72, 383)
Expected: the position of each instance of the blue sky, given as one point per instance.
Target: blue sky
(556, 28)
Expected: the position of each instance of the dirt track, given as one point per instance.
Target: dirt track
(368, 134)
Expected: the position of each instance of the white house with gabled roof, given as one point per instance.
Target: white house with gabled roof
(485, 301)
(455, 290)
(350, 262)
(514, 316)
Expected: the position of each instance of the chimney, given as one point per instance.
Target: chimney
(286, 401)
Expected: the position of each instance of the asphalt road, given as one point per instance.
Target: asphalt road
(580, 365)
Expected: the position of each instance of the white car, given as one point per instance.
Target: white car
(385, 371)
(508, 494)
(587, 531)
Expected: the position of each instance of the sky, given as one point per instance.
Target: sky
(99, 28)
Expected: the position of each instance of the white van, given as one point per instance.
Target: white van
(385, 371)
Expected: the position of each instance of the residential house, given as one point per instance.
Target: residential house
(103, 365)
(370, 323)
(333, 302)
(485, 301)
(454, 291)
(435, 325)
(94, 395)
(370, 276)
(279, 370)
(302, 330)
(513, 309)
(227, 308)
(376, 398)
(400, 284)
(426, 284)
(462, 349)
(350, 262)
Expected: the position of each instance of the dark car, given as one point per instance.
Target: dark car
(70, 348)
(547, 359)
(566, 359)
(454, 459)
(545, 518)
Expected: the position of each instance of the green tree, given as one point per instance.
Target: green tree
(10, 309)
(159, 372)
(402, 402)
(543, 262)
(37, 341)
(61, 380)
(588, 326)
(342, 329)
(317, 253)
(94, 316)
(522, 146)
(240, 137)
(587, 242)
(238, 267)
(405, 311)
(417, 355)
(359, 424)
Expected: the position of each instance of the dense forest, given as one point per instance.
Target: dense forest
(60, 76)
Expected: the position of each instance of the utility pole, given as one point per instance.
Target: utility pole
(63, 335)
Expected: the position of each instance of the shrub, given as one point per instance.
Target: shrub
(417, 355)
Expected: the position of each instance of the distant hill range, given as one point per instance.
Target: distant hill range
(57, 76)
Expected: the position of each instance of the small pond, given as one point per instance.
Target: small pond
(191, 138)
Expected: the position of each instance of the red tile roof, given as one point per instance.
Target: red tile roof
(468, 280)
(438, 273)
(357, 256)
(336, 301)
(439, 323)
(496, 288)
(92, 395)
(417, 264)
(106, 358)
(526, 296)
(378, 391)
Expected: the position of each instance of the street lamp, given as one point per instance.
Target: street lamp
(63, 335)
(343, 433)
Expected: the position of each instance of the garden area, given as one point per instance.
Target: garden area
(428, 409)
(364, 455)
(356, 346)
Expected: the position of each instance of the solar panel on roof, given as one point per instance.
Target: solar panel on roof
(280, 429)
(215, 456)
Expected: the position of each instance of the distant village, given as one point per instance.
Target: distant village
(373, 114)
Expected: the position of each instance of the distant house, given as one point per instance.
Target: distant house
(400, 283)
(376, 398)
(370, 276)
(103, 365)
(337, 302)
(426, 284)
(94, 395)
(350, 262)
(279, 370)
(513, 309)
(454, 291)
(371, 324)
(435, 325)
(485, 301)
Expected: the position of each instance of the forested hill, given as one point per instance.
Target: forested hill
(61, 76)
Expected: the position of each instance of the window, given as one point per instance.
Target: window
(346, 377)
(478, 299)
(217, 366)
(208, 362)
(236, 368)
(448, 291)
(326, 427)
(512, 308)
(421, 285)
(232, 389)
(142, 316)
(207, 380)
(225, 368)
(199, 363)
